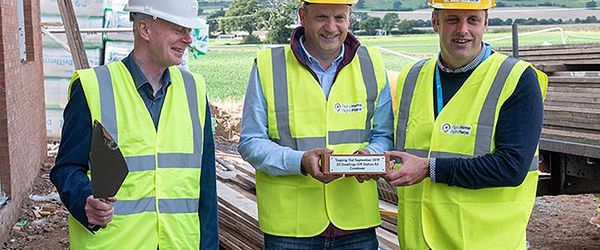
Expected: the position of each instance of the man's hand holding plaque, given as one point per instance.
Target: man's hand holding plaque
(413, 170)
(311, 163)
(362, 165)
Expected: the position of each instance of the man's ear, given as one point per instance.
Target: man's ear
(144, 30)
(301, 14)
(435, 21)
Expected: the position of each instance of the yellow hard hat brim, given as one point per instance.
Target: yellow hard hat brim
(461, 6)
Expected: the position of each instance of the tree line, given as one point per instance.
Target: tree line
(277, 16)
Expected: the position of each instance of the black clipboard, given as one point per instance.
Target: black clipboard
(107, 163)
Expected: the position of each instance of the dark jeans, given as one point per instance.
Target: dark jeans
(366, 240)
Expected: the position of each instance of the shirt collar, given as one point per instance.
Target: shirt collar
(309, 58)
(467, 67)
(139, 79)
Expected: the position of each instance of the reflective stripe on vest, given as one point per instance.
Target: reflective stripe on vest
(404, 110)
(335, 137)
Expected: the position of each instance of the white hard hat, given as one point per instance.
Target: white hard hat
(180, 12)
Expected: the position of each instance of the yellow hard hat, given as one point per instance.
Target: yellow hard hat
(462, 4)
(331, 1)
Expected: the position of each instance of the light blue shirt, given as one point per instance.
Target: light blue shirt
(267, 156)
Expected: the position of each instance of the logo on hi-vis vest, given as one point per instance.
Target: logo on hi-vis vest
(456, 129)
(347, 108)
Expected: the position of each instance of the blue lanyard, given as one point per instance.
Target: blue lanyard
(438, 81)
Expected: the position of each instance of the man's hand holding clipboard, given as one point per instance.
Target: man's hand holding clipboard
(108, 170)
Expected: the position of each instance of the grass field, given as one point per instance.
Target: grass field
(226, 68)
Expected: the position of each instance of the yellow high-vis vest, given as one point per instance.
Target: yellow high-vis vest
(438, 216)
(157, 205)
(302, 118)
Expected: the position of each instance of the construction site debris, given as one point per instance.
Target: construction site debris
(227, 124)
(19, 225)
(52, 196)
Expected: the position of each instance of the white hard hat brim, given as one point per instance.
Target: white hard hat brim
(184, 22)
(188, 23)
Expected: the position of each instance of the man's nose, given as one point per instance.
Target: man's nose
(462, 27)
(187, 36)
(330, 25)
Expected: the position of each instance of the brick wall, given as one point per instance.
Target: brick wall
(22, 116)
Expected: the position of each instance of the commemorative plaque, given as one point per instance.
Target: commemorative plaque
(355, 164)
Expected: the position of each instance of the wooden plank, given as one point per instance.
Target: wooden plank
(573, 79)
(588, 112)
(387, 206)
(566, 89)
(576, 99)
(237, 179)
(584, 131)
(551, 68)
(242, 229)
(244, 167)
(67, 14)
(386, 239)
(557, 58)
(250, 194)
(574, 85)
(569, 147)
(573, 104)
(566, 124)
(237, 202)
(231, 241)
(584, 93)
(239, 163)
(391, 227)
(225, 164)
(571, 136)
(579, 74)
(575, 61)
(252, 238)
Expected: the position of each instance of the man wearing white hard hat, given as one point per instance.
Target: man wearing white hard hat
(468, 124)
(158, 114)
(323, 93)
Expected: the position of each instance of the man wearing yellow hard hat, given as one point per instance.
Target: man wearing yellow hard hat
(323, 93)
(468, 122)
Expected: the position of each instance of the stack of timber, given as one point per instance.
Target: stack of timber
(238, 214)
(567, 57)
(572, 106)
(572, 114)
